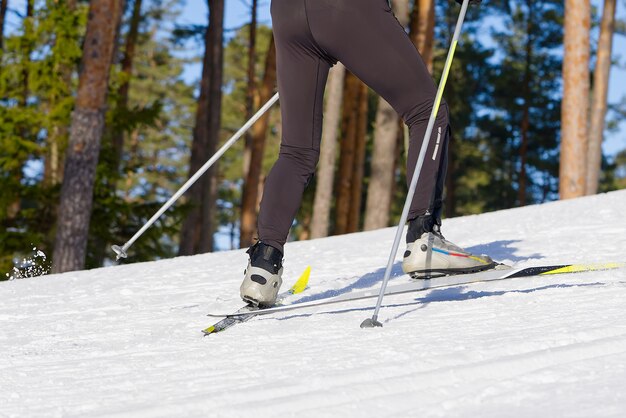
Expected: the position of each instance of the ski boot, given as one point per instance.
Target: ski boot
(263, 276)
(429, 254)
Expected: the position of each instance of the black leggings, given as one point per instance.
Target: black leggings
(310, 37)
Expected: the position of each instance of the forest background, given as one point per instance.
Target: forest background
(165, 92)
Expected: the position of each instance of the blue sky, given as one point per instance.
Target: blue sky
(238, 13)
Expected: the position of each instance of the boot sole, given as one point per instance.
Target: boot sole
(255, 303)
(432, 274)
(250, 301)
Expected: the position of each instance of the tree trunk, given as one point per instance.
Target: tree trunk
(198, 226)
(127, 70)
(305, 228)
(190, 232)
(422, 29)
(116, 133)
(251, 193)
(52, 172)
(85, 134)
(575, 105)
(251, 89)
(399, 161)
(521, 192)
(525, 124)
(599, 99)
(359, 160)
(27, 49)
(402, 10)
(211, 186)
(382, 178)
(3, 12)
(326, 167)
(347, 152)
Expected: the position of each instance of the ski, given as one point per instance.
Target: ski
(502, 273)
(248, 312)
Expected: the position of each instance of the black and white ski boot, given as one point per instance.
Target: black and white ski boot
(263, 276)
(429, 254)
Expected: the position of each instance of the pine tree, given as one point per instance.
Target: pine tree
(599, 97)
(521, 133)
(199, 226)
(156, 122)
(126, 74)
(467, 88)
(422, 29)
(252, 183)
(349, 178)
(87, 127)
(233, 117)
(575, 106)
(36, 104)
(251, 86)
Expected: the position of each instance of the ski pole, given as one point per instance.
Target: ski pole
(121, 251)
(373, 321)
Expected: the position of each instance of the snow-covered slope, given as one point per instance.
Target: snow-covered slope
(126, 341)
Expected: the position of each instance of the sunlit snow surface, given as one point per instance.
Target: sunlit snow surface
(125, 341)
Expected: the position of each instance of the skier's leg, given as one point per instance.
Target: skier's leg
(302, 69)
(367, 38)
(431, 220)
(440, 183)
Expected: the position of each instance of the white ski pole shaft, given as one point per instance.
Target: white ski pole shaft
(121, 251)
(373, 321)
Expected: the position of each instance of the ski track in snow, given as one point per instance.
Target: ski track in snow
(125, 341)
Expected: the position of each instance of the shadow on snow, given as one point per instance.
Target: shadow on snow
(502, 250)
(451, 294)
(498, 250)
(363, 282)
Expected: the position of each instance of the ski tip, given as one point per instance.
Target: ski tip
(210, 330)
(581, 268)
(302, 282)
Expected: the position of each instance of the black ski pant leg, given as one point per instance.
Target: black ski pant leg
(436, 204)
(366, 37)
(302, 70)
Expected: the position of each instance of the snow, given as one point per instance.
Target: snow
(125, 341)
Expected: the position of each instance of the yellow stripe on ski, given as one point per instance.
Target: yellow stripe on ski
(299, 287)
(209, 330)
(302, 282)
(579, 268)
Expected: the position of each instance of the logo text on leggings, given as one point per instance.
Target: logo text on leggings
(437, 143)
